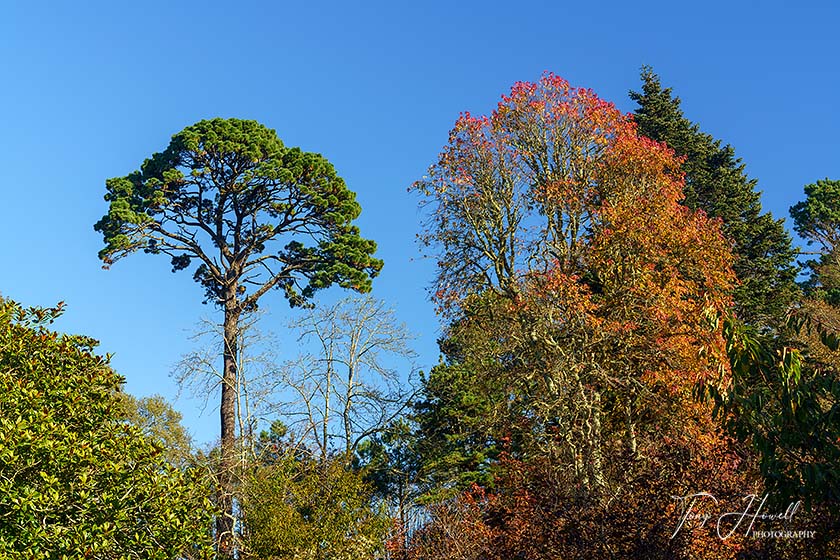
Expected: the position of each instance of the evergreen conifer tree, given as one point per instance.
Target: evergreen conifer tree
(717, 183)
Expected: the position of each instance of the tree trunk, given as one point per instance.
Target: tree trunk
(348, 403)
(326, 420)
(227, 412)
(595, 459)
(632, 445)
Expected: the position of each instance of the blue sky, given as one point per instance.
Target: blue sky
(89, 89)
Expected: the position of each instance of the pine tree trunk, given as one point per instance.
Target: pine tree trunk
(227, 413)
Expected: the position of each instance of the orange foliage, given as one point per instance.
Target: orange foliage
(575, 275)
(557, 204)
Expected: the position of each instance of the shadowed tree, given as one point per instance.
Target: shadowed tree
(255, 216)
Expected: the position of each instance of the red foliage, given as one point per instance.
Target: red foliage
(537, 512)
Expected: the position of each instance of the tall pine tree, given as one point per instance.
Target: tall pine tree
(716, 183)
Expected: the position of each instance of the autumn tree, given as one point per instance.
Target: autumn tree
(530, 513)
(576, 276)
(716, 182)
(456, 530)
(255, 216)
(76, 479)
(578, 295)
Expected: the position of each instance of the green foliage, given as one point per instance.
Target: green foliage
(255, 216)
(787, 408)
(301, 508)
(223, 191)
(271, 444)
(456, 448)
(156, 418)
(717, 183)
(76, 480)
(817, 220)
(389, 460)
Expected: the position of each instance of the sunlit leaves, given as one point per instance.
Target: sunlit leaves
(300, 507)
(76, 481)
(577, 292)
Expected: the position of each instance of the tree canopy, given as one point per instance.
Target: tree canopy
(582, 277)
(253, 213)
(576, 294)
(817, 220)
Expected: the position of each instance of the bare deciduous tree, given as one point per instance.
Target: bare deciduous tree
(201, 372)
(349, 386)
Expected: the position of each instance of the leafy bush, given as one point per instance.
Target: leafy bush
(76, 480)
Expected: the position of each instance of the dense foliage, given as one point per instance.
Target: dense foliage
(582, 286)
(76, 480)
(817, 220)
(156, 418)
(785, 402)
(592, 313)
(302, 507)
(628, 367)
(222, 193)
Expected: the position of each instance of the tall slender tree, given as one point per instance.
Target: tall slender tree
(256, 216)
(716, 182)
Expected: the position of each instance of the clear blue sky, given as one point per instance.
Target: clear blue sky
(89, 89)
